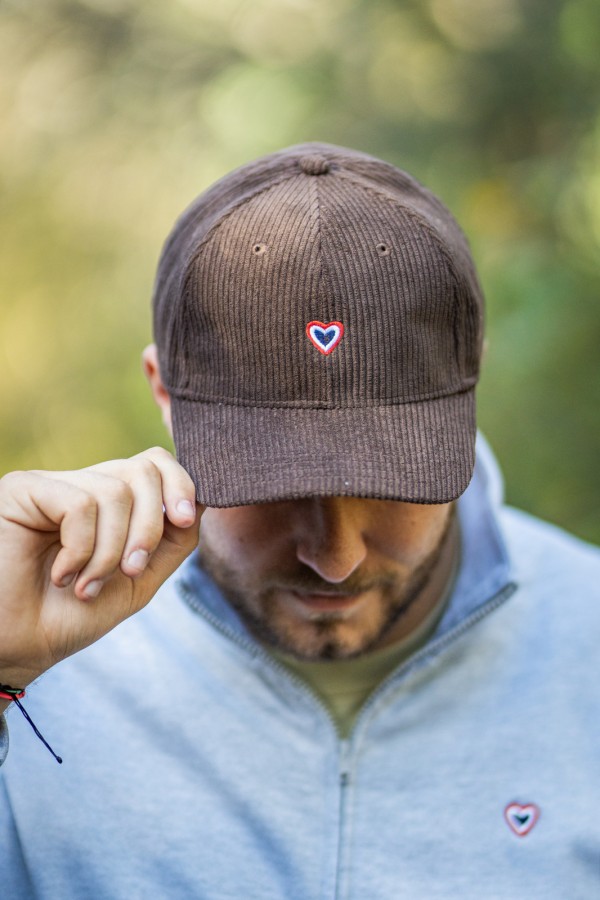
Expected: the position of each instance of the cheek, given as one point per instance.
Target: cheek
(241, 536)
(411, 537)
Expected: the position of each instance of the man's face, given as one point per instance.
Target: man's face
(328, 578)
(325, 577)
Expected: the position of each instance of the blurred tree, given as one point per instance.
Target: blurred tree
(115, 114)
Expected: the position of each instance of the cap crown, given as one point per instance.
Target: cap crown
(317, 233)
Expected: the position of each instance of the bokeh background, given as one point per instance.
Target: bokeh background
(114, 114)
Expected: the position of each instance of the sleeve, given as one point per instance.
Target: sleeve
(3, 739)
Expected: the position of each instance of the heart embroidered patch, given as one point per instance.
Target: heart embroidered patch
(521, 819)
(325, 337)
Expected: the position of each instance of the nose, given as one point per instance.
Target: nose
(330, 538)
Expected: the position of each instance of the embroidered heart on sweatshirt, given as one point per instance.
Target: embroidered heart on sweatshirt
(521, 818)
(325, 337)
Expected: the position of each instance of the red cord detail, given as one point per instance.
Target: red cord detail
(4, 696)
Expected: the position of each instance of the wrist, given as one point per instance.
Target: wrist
(17, 678)
(8, 693)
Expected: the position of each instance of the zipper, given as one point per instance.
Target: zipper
(344, 780)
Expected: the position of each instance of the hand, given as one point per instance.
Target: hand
(81, 551)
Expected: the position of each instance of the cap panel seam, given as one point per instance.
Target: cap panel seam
(221, 221)
(415, 215)
(326, 282)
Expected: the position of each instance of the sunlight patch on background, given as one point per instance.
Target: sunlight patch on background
(477, 24)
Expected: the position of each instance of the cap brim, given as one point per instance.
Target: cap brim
(416, 452)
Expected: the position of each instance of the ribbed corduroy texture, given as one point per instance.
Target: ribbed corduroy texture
(320, 233)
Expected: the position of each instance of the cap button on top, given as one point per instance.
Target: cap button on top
(314, 165)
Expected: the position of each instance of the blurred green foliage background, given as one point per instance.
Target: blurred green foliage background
(114, 114)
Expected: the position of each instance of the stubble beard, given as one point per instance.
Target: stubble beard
(328, 635)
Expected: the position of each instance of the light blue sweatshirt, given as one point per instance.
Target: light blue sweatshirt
(197, 767)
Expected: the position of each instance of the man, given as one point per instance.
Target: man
(360, 686)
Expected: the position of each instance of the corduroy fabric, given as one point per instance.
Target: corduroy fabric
(318, 233)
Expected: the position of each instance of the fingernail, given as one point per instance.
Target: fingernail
(66, 580)
(92, 589)
(185, 508)
(138, 559)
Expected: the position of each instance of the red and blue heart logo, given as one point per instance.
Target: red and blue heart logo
(521, 819)
(325, 337)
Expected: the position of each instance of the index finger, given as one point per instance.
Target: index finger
(178, 490)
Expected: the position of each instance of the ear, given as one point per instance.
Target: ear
(159, 391)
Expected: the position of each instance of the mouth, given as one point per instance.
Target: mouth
(325, 602)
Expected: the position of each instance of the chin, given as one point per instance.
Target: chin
(323, 640)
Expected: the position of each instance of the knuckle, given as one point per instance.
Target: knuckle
(74, 556)
(147, 468)
(119, 491)
(83, 504)
(160, 453)
(104, 561)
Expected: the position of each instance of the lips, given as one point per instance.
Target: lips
(326, 602)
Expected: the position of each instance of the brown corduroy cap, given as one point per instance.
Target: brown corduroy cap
(319, 327)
